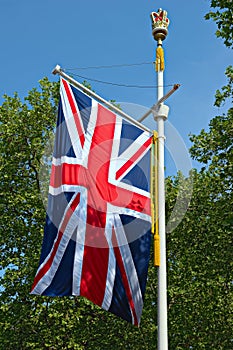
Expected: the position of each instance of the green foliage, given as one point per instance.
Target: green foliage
(203, 268)
(223, 16)
(200, 290)
(227, 90)
(24, 128)
(214, 148)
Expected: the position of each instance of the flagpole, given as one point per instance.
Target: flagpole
(162, 273)
(159, 30)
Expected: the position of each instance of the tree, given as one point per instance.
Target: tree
(223, 16)
(200, 266)
(215, 148)
(199, 250)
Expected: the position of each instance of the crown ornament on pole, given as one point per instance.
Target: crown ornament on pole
(160, 24)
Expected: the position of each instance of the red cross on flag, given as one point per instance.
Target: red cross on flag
(98, 225)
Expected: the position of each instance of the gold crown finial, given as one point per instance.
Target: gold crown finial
(160, 24)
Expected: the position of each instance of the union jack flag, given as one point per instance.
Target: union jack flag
(98, 225)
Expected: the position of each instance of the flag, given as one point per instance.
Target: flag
(98, 225)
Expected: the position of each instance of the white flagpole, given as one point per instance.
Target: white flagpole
(162, 273)
(159, 30)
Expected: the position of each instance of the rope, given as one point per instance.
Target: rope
(118, 84)
(111, 66)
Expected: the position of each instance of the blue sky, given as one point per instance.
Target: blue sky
(37, 35)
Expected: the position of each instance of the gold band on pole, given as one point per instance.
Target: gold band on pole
(159, 62)
(154, 199)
